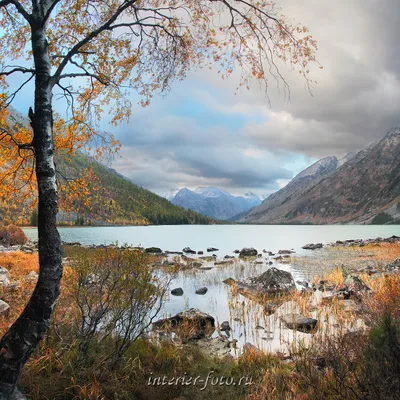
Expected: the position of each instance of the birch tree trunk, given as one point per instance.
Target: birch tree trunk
(24, 335)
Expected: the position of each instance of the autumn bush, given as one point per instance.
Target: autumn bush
(12, 235)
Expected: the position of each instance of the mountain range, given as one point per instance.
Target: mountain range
(359, 188)
(214, 202)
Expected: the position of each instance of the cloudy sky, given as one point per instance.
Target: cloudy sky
(204, 134)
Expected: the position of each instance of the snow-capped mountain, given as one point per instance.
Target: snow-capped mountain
(214, 202)
(358, 188)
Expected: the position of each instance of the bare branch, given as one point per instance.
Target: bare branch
(14, 70)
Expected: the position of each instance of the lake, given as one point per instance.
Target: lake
(224, 237)
(246, 317)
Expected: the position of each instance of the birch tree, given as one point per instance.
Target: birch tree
(89, 55)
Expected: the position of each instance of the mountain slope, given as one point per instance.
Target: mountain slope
(215, 202)
(300, 183)
(113, 199)
(120, 201)
(363, 188)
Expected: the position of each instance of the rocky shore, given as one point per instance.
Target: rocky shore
(272, 288)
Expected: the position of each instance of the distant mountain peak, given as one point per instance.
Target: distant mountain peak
(212, 201)
(210, 191)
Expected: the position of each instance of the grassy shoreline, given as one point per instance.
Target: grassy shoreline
(334, 366)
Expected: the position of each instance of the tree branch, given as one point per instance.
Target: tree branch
(92, 35)
(23, 70)
(49, 11)
(19, 7)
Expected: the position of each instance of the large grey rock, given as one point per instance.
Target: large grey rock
(299, 322)
(4, 277)
(248, 252)
(4, 308)
(271, 281)
(201, 323)
(356, 284)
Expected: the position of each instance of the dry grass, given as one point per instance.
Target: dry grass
(53, 371)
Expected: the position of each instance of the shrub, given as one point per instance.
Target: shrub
(12, 235)
(117, 296)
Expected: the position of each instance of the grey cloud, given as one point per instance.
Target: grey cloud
(355, 101)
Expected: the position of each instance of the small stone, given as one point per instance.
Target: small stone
(4, 277)
(188, 250)
(202, 291)
(285, 252)
(177, 292)
(4, 308)
(225, 326)
(32, 276)
(212, 249)
(153, 250)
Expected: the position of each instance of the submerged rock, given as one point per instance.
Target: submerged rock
(299, 322)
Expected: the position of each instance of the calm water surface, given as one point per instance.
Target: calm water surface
(244, 315)
(224, 237)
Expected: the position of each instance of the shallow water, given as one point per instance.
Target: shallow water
(243, 314)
